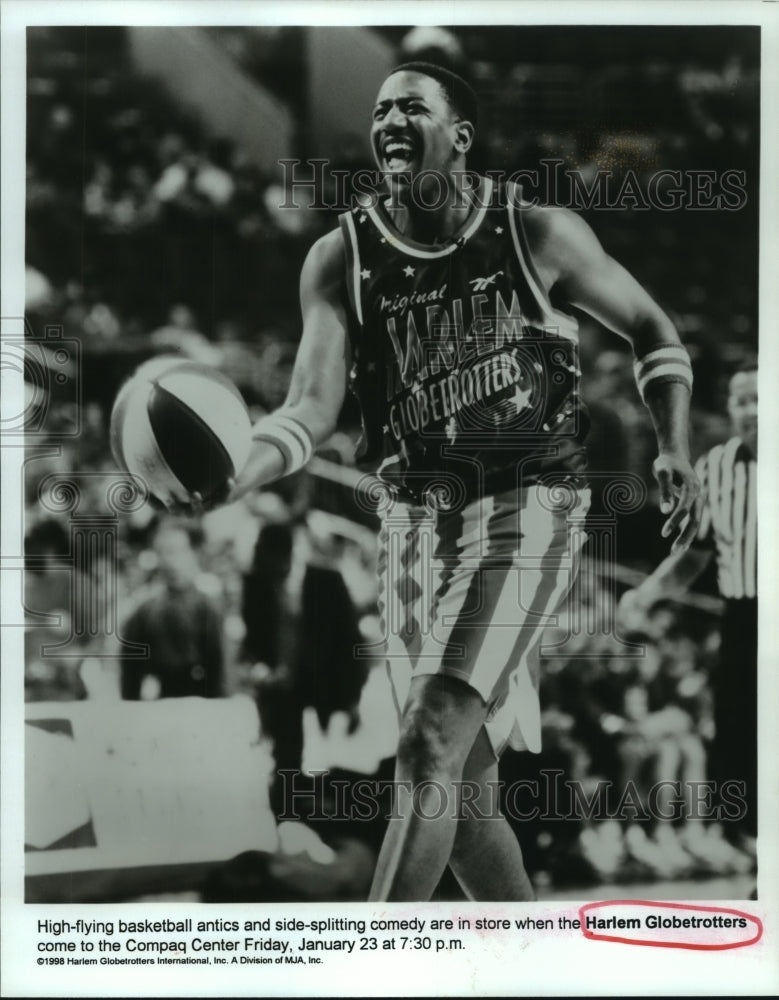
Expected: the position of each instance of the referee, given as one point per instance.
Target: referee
(728, 531)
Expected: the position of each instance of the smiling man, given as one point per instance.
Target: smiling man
(448, 309)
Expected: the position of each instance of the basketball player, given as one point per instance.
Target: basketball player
(447, 310)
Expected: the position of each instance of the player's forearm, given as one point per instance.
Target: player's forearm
(669, 406)
(315, 414)
(673, 576)
(283, 442)
(664, 378)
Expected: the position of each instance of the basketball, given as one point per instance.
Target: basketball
(181, 427)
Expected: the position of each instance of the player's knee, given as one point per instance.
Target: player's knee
(423, 750)
(427, 748)
(440, 722)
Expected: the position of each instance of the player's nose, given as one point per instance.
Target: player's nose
(395, 117)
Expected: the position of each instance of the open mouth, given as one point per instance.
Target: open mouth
(398, 155)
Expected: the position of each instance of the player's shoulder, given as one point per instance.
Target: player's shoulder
(550, 228)
(328, 250)
(325, 261)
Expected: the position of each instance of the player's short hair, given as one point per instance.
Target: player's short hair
(460, 95)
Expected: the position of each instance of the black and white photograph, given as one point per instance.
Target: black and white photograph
(382, 502)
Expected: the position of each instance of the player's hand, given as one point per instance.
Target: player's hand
(679, 489)
(265, 463)
(633, 608)
(196, 505)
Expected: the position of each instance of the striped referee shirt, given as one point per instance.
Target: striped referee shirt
(728, 522)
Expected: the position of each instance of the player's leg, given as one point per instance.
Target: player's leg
(482, 594)
(437, 581)
(439, 725)
(486, 857)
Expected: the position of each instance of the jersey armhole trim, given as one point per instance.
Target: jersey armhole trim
(565, 324)
(352, 264)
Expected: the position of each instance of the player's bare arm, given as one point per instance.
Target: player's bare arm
(319, 378)
(576, 270)
(675, 574)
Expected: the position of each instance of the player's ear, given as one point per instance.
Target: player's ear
(464, 133)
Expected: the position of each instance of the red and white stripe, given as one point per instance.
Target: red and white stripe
(470, 593)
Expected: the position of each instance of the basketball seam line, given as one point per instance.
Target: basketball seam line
(199, 421)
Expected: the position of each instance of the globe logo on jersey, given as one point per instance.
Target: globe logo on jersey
(501, 391)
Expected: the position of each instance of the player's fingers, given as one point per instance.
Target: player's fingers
(665, 484)
(157, 504)
(240, 486)
(222, 495)
(197, 503)
(172, 506)
(682, 502)
(686, 534)
(235, 492)
(681, 511)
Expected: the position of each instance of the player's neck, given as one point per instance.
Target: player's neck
(433, 226)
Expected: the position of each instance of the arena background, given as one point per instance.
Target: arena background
(154, 226)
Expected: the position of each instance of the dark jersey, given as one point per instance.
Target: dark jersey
(467, 377)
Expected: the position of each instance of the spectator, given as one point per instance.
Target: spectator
(301, 629)
(181, 626)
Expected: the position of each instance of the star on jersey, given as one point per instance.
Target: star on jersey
(498, 230)
(365, 273)
(521, 398)
(363, 218)
(408, 271)
(371, 366)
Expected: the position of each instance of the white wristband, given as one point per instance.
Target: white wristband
(290, 436)
(670, 363)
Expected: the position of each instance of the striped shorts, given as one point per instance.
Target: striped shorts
(469, 594)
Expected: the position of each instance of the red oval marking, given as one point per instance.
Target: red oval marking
(616, 921)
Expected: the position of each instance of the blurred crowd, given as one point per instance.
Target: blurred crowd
(147, 236)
